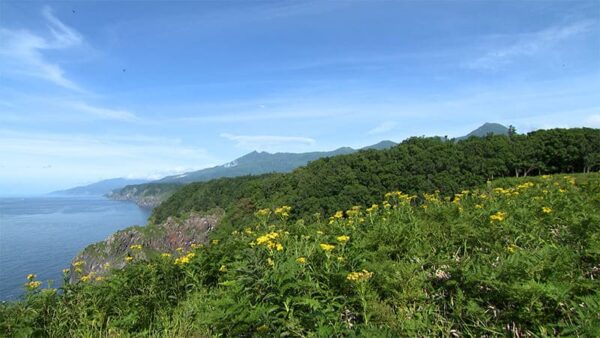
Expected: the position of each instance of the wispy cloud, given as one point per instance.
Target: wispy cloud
(382, 128)
(104, 113)
(528, 44)
(22, 52)
(268, 142)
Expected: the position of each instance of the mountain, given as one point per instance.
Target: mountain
(100, 188)
(486, 129)
(256, 163)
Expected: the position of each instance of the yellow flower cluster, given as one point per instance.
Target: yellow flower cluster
(269, 240)
(507, 192)
(511, 248)
(165, 255)
(337, 216)
(301, 260)
(431, 197)
(353, 212)
(327, 247)
(31, 276)
(195, 246)
(499, 216)
(33, 284)
(66, 271)
(263, 213)
(283, 211)
(136, 247)
(372, 209)
(78, 265)
(546, 210)
(359, 276)
(185, 259)
(343, 238)
(214, 242)
(402, 197)
(525, 185)
(128, 259)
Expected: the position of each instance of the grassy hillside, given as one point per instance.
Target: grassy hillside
(417, 165)
(514, 257)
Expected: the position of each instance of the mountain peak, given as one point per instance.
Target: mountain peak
(487, 128)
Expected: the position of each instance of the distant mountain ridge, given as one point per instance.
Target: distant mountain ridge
(254, 163)
(100, 188)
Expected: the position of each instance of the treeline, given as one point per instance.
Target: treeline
(416, 165)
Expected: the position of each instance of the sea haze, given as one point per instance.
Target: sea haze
(42, 234)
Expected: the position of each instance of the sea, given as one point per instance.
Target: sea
(41, 235)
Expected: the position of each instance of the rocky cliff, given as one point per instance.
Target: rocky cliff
(173, 237)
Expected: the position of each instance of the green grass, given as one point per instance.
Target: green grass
(511, 258)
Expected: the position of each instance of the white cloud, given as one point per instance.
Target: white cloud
(382, 128)
(104, 113)
(268, 142)
(21, 51)
(529, 44)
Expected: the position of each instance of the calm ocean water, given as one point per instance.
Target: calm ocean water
(42, 234)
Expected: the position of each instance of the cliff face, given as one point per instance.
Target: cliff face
(168, 237)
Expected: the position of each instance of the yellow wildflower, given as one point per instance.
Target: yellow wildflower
(301, 260)
(327, 247)
(33, 285)
(99, 278)
(263, 212)
(85, 278)
(31, 276)
(343, 238)
(223, 268)
(279, 247)
(180, 250)
(319, 232)
(78, 263)
(248, 231)
(128, 259)
(136, 247)
(215, 242)
(499, 216)
(511, 248)
(478, 206)
(165, 255)
(66, 271)
(283, 211)
(270, 261)
(546, 210)
(373, 208)
(359, 276)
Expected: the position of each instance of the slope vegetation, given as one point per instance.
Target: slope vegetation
(514, 257)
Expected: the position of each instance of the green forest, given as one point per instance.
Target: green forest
(417, 165)
(492, 236)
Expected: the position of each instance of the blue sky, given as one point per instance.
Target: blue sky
(95, 90)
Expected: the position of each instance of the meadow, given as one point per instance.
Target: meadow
(513, 257)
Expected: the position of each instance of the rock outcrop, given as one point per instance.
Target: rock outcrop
(141, 242)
